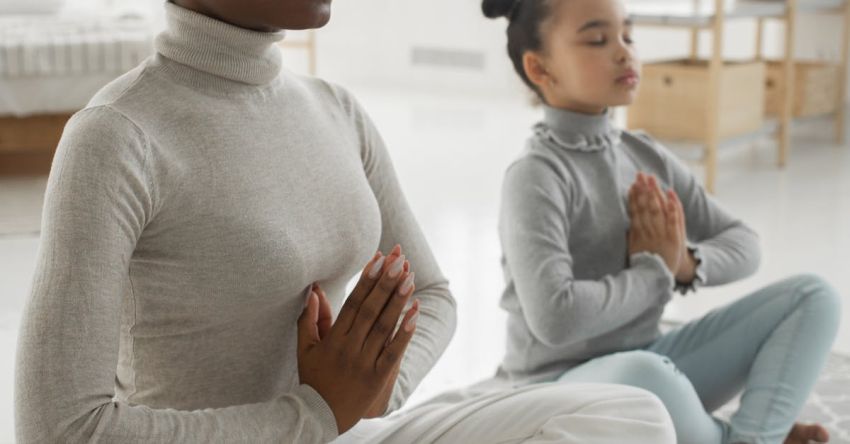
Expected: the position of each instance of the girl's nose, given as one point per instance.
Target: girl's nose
(623, 56)
(625, 53)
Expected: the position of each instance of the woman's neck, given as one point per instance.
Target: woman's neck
(218, 48)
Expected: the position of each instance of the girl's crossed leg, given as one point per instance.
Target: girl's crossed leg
(772, 344)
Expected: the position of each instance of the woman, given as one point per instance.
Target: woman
(193, 209)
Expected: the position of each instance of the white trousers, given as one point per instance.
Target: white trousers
(538, 413)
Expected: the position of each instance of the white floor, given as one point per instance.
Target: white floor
(450, 153)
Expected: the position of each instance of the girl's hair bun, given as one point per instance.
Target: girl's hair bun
(498, 8)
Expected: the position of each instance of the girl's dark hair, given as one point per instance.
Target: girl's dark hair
(525, 18)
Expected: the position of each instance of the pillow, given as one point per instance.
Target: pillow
(31, 6)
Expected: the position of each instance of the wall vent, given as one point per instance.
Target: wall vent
(448, 58)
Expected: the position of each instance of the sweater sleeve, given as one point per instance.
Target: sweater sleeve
(100, 197)
(727, 249)
(437, 320)
(558, 308)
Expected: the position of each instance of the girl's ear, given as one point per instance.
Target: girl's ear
(536, 71)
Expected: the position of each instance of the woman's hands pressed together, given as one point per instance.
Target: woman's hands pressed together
(353, 362)
(658, 226)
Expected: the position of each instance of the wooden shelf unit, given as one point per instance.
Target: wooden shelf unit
(786, 12)
(308, 44)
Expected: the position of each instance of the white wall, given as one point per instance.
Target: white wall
(369, 42)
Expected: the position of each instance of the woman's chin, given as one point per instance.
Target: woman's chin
(318, 18)
(321, 17)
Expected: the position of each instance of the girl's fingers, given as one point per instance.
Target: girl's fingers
(660, 202)
(681, 210)
(632, 203)
(394, 351)
(657, 192)
(672, 219)
(680, 213)
(648, 208)
(636, 212)
(369, 277)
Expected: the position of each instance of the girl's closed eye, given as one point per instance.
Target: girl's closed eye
(603, 40)
(598, 41)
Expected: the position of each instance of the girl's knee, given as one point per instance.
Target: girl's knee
(648, 367)
(654, 373)
(818, 295)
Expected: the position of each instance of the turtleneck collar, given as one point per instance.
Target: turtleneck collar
(577, 131)
(219, 48)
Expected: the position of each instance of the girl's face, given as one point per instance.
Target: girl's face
(265, 15)
(588, 63)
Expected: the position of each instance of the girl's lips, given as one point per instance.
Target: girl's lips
(630, 79)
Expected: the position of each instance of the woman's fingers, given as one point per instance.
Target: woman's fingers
(308, 329)
(383, 329)
(376, 300)
(325, 321)
(368, 279)
(394, 351)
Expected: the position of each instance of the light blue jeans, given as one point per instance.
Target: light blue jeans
(772, 344)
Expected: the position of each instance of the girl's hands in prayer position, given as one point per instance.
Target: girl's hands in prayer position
(353, 362)
(657, 222)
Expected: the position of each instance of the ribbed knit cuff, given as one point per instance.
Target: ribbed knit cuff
(321, 409)
(699, 273)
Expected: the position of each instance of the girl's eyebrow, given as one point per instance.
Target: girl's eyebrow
(593, 24)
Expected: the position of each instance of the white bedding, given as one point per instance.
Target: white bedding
(33, 45)
(55, 63)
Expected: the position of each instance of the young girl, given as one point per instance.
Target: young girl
(594, 249)
(194, 208)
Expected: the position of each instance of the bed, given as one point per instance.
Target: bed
(50, 66)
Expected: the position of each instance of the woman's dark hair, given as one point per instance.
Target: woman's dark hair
(525, 18)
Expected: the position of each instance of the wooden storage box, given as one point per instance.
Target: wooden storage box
(815, 91)
(673, 97)
(27, 144)
(33, 133)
